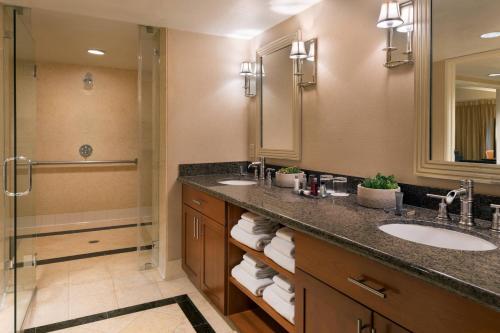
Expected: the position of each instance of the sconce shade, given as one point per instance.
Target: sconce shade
(298, 50)
(407, 17)
(312, 52)
(246, 68)
(390, 16)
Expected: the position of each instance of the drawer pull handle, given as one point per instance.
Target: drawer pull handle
(360, 326)
(197, 202)
(360, 283)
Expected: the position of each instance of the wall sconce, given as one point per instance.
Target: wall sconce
(400, 17)
(299, 53)
(247, 70)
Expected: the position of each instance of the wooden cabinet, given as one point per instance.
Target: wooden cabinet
(213, 254)
(322, 309)
(204, 239)
(408, 301)
(192, 244)
(383, 325)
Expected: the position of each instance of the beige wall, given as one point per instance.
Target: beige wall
(68, 116)
(206, 111)
(360, 118)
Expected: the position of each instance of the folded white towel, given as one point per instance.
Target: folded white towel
(284, 247)
(256, 242)
(285, 233)
(285, 295)
(258, 273)
(251, 260)
(253, 217)
(260, 228)
(279, 258)
(285, 309)
(283, 283)
(255, 286)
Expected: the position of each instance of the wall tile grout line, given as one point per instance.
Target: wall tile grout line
(192, 313)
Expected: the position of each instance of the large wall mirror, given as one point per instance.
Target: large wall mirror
(279, 100)
(458, 82)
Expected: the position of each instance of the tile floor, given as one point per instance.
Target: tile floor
(83, 287)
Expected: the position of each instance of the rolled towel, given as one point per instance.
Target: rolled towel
(260, 228)
(255, 286)
(256, 242)
(283, 283)
(282, 260)
(285, 309)
(251, 217)
(285, 233)
(285, 295)
(284, 247)
(258, 273)
(254, 262)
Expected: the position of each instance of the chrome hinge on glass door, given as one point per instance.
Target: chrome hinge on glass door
(5, 176)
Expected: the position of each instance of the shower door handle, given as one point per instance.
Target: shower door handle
(5, 176)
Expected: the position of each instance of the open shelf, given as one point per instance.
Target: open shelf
(254, 320)
(262, 257)
(289, 327)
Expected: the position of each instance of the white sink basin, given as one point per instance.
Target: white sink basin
(438, 237)
(237, 182)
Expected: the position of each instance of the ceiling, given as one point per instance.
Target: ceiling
(458, 25)
(63, 38)
(232, 18)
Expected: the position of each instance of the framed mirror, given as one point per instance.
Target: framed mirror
(279, 101)
(457, 84)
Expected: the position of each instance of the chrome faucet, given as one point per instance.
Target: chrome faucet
(259, 165)
(465, 193)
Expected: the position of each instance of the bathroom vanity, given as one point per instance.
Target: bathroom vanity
(350, 276)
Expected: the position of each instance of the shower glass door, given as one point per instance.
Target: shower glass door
(19, 121)
(150, 156)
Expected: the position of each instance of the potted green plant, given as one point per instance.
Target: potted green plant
(285, 176)
(378, 192)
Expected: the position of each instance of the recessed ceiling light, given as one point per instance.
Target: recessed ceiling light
(96, 52)
(494, 74)
(494, 34)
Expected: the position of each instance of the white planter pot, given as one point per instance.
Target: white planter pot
(375, 198)
(286, 179)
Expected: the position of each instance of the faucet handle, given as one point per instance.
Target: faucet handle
(443, 215)
(495, 224)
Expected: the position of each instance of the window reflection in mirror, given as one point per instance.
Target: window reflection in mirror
(465, 115)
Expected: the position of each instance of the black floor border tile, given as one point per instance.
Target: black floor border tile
(77, 231)
(192, 313)
(92, 255)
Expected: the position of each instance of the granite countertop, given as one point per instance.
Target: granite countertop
(340, 221)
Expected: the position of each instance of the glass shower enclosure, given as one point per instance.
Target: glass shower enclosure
(17, 275)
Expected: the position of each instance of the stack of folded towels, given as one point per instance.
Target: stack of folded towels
(254, 231)
(253, 274)
(281, 297)
(282, 249)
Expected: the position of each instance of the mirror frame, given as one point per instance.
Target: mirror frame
(295, 152)
(424, 166)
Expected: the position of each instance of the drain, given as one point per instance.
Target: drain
(93, 241)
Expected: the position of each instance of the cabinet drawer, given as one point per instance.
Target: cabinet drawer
(401, 297)
(204, 203)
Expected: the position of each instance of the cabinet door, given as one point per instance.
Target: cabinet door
(384, 325)
(321, 309)
(213, 254)
(191, 248)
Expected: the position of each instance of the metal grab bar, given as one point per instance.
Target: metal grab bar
(134, 161)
